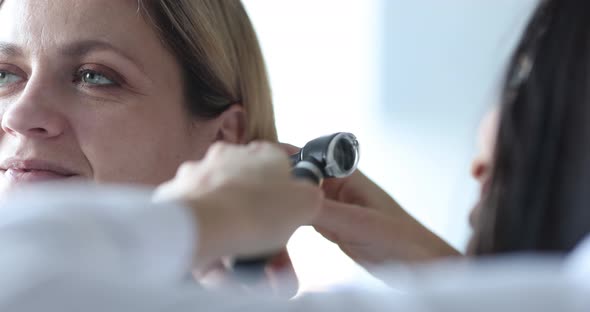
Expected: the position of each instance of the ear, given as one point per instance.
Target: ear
(232, 125)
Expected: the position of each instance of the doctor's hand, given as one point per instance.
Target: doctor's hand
(243, 199)
(370, 226)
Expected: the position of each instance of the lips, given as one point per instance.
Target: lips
(25, 171)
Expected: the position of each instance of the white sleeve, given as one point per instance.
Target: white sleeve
(97, 295)
(97, 249)
(92, 230)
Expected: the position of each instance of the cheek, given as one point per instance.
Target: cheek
(140, 146)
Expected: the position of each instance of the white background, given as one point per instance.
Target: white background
(410, 78)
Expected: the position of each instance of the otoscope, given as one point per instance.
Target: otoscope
(331, 156)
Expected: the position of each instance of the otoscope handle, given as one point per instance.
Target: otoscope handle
(254, 267)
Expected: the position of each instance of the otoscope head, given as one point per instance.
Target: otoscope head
(336, 155)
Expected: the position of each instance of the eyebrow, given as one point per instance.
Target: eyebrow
(74, 49)
(10, 49)
(79, 48)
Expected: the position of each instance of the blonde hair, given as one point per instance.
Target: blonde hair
(218, 49)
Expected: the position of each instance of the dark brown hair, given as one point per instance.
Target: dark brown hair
(539, 199)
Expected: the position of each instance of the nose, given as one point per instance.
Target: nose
(33, 114)
(480, 168)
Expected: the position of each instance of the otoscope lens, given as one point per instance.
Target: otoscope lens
(345, 154)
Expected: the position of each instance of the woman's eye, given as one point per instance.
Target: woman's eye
(94, 78)
(7, 78)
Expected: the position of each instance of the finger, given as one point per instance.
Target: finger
(344, 189)
(257, 146)
(289, 149)
(358, 189)
(326, 234)
(218, 148)
(345, 222)
(308, 197)
(270, 152)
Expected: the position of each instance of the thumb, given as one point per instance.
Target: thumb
(344, 222)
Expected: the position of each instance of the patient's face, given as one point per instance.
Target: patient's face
(88, 91)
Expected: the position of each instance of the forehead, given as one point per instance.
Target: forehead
(42, 24)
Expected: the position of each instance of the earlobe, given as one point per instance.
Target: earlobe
(232, 125)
